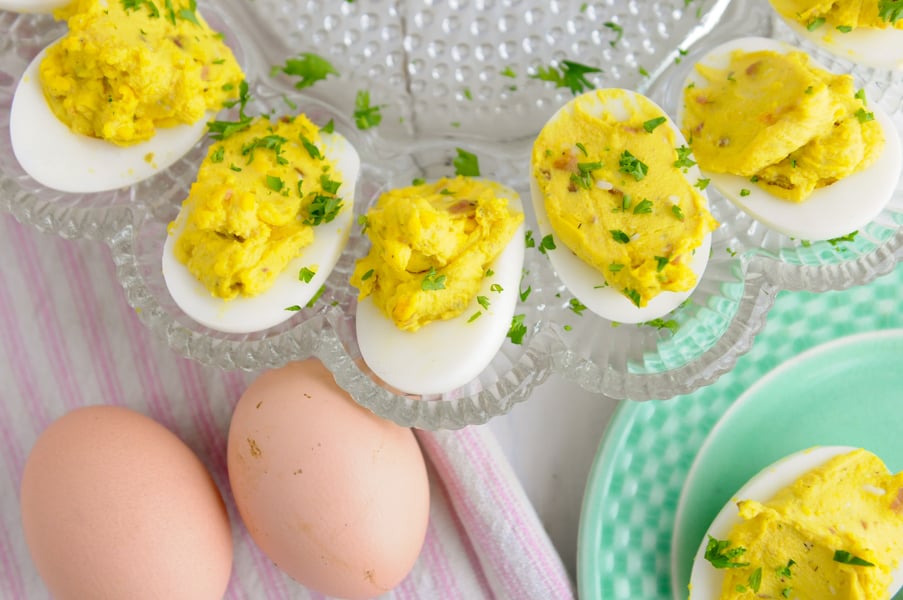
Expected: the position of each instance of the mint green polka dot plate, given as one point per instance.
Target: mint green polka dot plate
(827, 369)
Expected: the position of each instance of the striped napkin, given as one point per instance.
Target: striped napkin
(68, 339)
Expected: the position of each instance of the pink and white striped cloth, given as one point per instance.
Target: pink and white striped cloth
(68, 339)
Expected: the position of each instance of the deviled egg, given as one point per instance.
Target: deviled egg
(439, 287)
(263, 225)
(612, 184)
(868, 32)
(798, 148)
(822, 523)
(125, 93)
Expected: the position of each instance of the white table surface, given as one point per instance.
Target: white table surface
(551, 440)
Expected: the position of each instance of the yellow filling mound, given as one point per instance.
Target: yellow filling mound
(431, 246)
(119, 73)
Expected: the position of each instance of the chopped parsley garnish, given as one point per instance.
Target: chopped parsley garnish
(483, 301)
(329, 127)
(670, 324)
(508, 72)
(633, 295)
(289, 103)
(293, 308)
(584, 176)
(786, 592)
(785, 570)
(745, 192)
(269, 142)
(678, 213)
(518, 330)
(432, 281)
(190, 14)
(582, 148)
(615, 267)
(547, 243)
(363, 222)
(683, 158)
(418, 181)
(311, 148)
(576, 306)
(643, 208)
(234, 168)
(864, 116)
(569, 74)
(702, 183)
(475, 316)
(890, 10)
(306, 275)
(661, 263)
(365, 115)
(489, 273)
(136, 4)
(850, 237)
(722, 556)
(619, 236)
(496, 288)
(815, 23)
(323, 209)
(316, 296)
(529, 242)
(220, 130)
(468, 94)
(309, 67)
(218, 154)
(330, 186)
(844, 28)
(631, 165)
(619, 32)
(753, 583)
(466, 163)
(274, 183)
(524, 294)
(651, 124)
(844, 557)
(643, 72)
(367, 275)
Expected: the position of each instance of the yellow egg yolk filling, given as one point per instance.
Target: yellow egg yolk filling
(790, 127)
(842, 16)
(431, 246)
(814, 538)
(120, 73)
(258, 197)
(616, 195)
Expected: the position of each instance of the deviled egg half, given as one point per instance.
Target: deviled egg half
(125, 93)
(868, 32)
(821, 523)
(798, 148)
(439, 286)
(612, 182)
(263, 225)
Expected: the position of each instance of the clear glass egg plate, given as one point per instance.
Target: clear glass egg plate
(458, 74)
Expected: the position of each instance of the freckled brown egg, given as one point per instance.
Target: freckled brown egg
(115, 506)
(337, 497)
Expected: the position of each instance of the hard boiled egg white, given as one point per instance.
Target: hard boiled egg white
(56, 157)
(585, 282)
(830, 212)
(880, 48)
(249, 314)
(705, 580)
(32, 6)
(444, 355)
